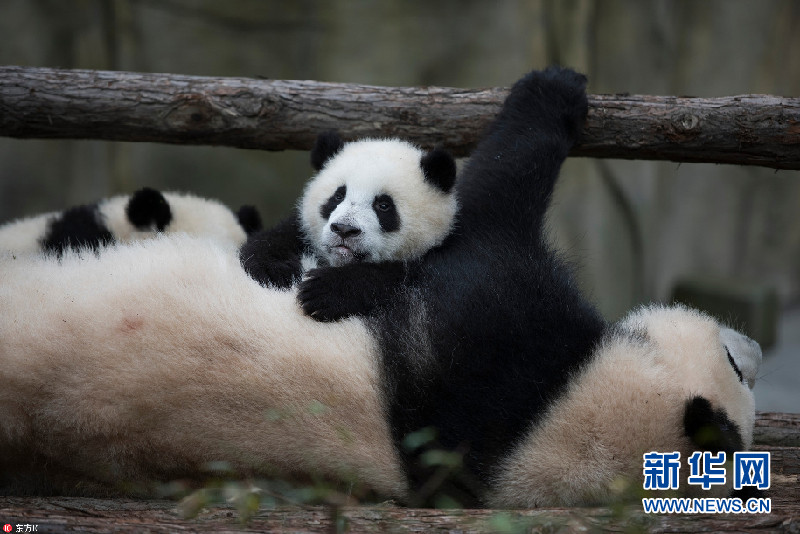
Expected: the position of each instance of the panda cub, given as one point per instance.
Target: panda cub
(489, 341)
(127, 218)
(374, 200)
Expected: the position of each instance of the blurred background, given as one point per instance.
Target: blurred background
(723, 236)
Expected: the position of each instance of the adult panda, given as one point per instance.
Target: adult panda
(181, 359)
(127, 218)
(152, 361)
(372, 200)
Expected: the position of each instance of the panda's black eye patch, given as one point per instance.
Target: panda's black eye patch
(336, 198)
(384, 208)
(735, 367)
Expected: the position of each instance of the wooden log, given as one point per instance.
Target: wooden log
(777, 429)
(285, 114)
(62, 514)
(122, 515)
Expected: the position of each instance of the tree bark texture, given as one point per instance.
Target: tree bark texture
(62, 514)
(283, 114)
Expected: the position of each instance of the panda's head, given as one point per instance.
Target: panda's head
(716, 367)
(663, 379)
(377, 200)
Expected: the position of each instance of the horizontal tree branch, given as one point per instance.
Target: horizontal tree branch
(284, 114)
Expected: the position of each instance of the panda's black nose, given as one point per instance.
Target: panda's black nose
(344, 230)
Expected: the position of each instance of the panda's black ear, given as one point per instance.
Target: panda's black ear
(327, 145)
(709, 429)
(439, 169)
(249, 219)
(148, 207)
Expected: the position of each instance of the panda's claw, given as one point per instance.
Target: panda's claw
(323, 294)
(333, 293)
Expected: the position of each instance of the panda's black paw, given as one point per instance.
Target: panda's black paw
(330, 294)
(273, 257)
(281, 274)
(554, 97)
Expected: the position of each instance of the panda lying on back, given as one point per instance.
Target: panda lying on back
(373, 200)
(127, 218)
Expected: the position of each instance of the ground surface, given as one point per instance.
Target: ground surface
(775, 432)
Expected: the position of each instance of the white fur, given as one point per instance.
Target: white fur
(370, 168)
(629, 401)
(21, 236)
(741, 349)
(157, 358)
(190, 214)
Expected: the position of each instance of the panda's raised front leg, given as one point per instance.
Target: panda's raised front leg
(506, 185)
(274, 257)
(332, 293)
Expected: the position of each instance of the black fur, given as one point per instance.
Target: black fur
(336, 198)
(249, 219)
(387, 214)
(710, 429)
(354, 289)
(490, 326)
(327, 145)
(76, 228)
(147, 209)
(274, 256)
(749, 492)
(735, 367)
(439, 169)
